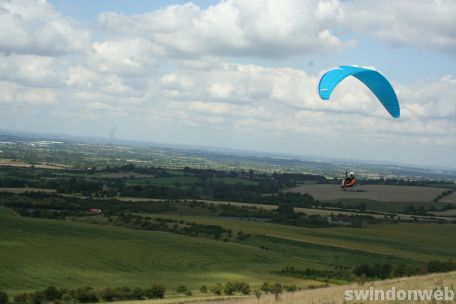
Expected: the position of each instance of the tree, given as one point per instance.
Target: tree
(4, 299)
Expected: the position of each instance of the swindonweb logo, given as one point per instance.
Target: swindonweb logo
(394, 294)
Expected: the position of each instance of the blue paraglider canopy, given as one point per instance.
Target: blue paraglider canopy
(374, 80)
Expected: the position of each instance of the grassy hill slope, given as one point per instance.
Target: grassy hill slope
(36, 253)
(420, 242)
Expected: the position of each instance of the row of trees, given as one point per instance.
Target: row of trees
(364, 271)
(385, 271)
(156, 291)
(86, 295)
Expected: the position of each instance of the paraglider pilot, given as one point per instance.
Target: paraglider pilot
(349, 180)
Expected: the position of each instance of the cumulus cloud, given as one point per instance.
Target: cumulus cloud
(274, 29)
(131, 56)
(234, 28)
(424, 24)
(286, 102)
(35, 27)
(28, 69)
(23, 96)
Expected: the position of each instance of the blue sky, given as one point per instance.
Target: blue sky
(235, 74)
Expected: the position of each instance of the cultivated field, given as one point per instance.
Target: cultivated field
(385, 193)
(40, 165)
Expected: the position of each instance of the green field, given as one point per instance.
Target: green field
(187, 180)
(164, 181)
(419, 242)
(35, 253)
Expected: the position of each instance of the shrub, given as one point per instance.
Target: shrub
(85, 295)
(242, 287)
(138, 293)
(257, 293)
(51, 294)
(181, 289)
(107, 294)
(157, 291)
(266, 287)
(37, 297)
(217, 289)
(4, 299)
(21, 298)
(203, 289)
(290, 288)
(277, 290)
(229, 289)
(67, 299)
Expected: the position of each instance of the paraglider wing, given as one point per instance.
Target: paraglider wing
(374, 80)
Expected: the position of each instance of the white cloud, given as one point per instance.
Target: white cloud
(23, 96)
(130, 56)
(35, 27)
(28, 68)
(274, 29)
(234, 28)
(287, 103)
(422, 23)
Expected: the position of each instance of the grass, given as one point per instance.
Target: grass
(36, 253)
(420, 242)
(325, 254)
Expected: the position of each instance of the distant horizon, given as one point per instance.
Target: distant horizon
(220, 149)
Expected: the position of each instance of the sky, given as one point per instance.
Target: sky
(234, 74)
